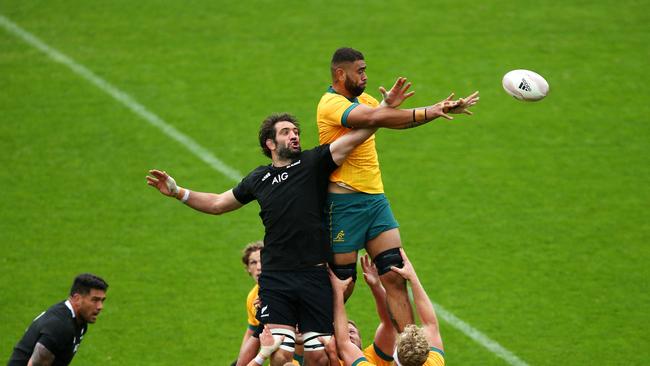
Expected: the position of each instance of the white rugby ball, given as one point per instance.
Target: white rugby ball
(525, 85)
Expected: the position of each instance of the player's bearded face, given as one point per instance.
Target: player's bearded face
(355, 87)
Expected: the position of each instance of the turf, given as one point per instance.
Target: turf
(529, 221)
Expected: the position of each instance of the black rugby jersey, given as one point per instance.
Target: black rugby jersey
(57, 330)
(292, 200)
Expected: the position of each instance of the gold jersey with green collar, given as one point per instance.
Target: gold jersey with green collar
(251, 310)
(361, 168)
(373, 356)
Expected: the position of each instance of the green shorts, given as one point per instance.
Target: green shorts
(353, 219)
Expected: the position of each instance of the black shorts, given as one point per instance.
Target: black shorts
(301, 297)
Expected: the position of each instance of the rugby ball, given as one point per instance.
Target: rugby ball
(525, 85)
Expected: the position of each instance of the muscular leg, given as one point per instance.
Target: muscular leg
(397, 298)
(316, 358)
(281, 356)
(346, 258)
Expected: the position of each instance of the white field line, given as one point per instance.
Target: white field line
(123, 98)
(479, 337)
(219, 165)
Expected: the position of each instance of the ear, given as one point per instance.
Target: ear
(340, 74)
(270, 144)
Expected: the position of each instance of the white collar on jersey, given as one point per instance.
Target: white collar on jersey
(69, 305)
(397, 363)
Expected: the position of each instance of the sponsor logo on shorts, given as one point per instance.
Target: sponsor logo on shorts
(340, 237)
(263, 313)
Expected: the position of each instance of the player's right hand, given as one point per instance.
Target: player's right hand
(163, 182)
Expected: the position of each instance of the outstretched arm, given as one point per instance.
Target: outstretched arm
(385, 335)
(347, 350)
(383, 116)
(342, 146)
(211, 203)
(423, 304)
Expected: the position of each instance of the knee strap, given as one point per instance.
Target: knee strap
(345, 271)
(386, 259)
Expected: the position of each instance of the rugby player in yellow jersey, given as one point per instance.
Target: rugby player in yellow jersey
(381, 350)
(419, 345)
(415, 346)
(253, 265)
(359, 214)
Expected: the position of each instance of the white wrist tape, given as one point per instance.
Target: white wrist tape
(171, 185)
(259, 360)
(186, 196)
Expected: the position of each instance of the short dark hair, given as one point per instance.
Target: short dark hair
(346, 54)
(249, 249)
(342, 55)
(267, 129)
(86, 281)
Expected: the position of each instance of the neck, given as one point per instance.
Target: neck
(340, 89)
(75, 310)
(279, 163)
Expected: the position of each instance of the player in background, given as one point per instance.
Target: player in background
(359, 214)
(54, 336)
(253, 265)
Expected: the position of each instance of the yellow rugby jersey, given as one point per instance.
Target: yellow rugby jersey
(250, 308)
(436, 358)
(361, 169)
(373, 356)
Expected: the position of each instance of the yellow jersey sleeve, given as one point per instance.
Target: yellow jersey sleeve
(250, 308)
(436, 358)
(376, 357)
(362, 362)
(361, 169)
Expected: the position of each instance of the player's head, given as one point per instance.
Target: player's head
(280, 133)
(87, 296)
(348, 68)
(251, 259)
(355, 336)
(412, 348)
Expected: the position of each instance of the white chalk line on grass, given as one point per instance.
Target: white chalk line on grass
(217, 164)
(123, 98)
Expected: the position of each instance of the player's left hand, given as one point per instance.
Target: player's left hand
(464, 103)
(397, 94)
(268, 342)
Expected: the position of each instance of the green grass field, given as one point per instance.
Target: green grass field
(528, 221)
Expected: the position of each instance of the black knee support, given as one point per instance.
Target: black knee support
(386, 259)
(345, 271)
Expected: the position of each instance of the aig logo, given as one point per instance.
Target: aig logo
(280, 178)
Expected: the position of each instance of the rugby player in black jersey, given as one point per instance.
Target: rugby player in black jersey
(54, 336)
(291, 191)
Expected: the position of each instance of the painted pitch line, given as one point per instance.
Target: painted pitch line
(479, 337)
(217, 164)
(123, 98)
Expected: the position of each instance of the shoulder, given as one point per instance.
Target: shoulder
(368, 99)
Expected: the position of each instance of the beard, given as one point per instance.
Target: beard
(285, 152)
(354, 89)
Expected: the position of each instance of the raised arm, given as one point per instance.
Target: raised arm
(363, 116)
(41, 356)
(385, 335)
(270, 344)
(211, 203)
(347, 350)
(422, 302)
